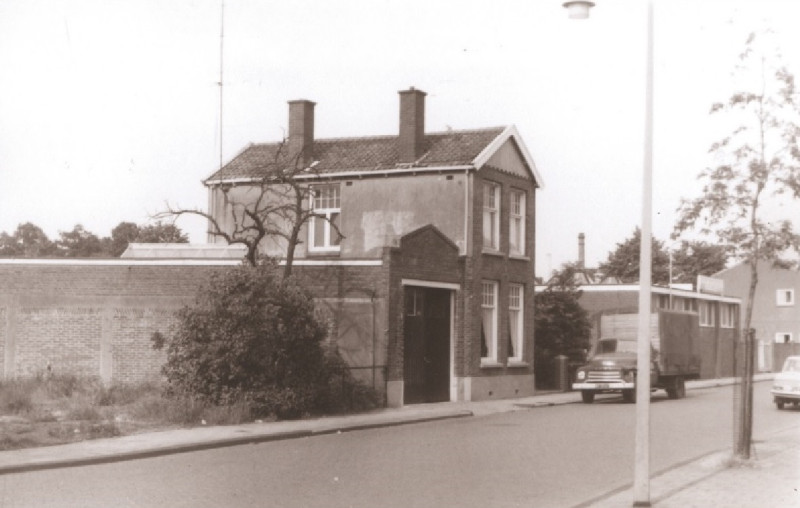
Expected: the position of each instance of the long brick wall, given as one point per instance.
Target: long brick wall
(96, 318)
(91, 318)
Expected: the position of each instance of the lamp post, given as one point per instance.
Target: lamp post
(641, 473)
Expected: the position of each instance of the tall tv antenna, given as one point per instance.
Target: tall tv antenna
(221, 67)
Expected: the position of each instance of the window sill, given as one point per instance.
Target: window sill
(491, 364)
(516, 364)
(323, 253)
(518, 257)
(492, 252)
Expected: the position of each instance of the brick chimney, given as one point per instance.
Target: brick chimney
(301, 131)
(412, 124)
(581, 250)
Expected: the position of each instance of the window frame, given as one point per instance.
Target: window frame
(489, 301)
(782, 336)
(491, 190)
(727, 315)
(707, 315)
(322, 218)
(788, 297)
(517, 222)
(516, 304)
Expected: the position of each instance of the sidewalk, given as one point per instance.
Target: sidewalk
(771, 480)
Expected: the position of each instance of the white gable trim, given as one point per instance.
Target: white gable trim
(347, 174)
(509, 132)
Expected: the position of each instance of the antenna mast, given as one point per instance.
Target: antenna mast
(221, 61)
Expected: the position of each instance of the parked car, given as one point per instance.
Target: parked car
(786, 386)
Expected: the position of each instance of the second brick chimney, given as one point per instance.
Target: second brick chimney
(412, 124)
(300, 144)
(581, 250)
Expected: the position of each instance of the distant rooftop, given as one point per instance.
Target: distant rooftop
(184, 251)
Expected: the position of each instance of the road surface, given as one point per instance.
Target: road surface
(547, 457)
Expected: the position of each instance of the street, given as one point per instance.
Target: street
(546, 457)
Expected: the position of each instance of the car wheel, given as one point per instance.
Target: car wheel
(629, 395)
(587, 396)
(779, 403)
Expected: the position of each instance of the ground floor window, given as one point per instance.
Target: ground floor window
(515, 322)
(488, 321)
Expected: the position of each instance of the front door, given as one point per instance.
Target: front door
(426, 333)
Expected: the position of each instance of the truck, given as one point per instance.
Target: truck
(611, 364)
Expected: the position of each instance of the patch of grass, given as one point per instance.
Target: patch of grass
(16, 397)
(84, 411)
(124, 394)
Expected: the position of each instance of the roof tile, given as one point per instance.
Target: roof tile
(363, 154)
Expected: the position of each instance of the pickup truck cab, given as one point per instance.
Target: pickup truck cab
(611, 368)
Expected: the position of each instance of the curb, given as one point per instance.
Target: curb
(159, 451)
(318, 428)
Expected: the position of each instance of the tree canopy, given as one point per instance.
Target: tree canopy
(750, 190)
(689, 259)
(30, 241)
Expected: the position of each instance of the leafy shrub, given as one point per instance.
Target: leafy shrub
(252, 337)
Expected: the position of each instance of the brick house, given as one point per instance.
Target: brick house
(424, 263)
(776, 313)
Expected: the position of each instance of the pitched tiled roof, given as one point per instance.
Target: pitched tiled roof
(451, 148)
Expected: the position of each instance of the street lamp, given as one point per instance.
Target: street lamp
(578, 9)
(641, 473)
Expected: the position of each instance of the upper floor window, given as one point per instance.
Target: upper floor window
(323, 233)
(491, 216)
(516, 223)
(783, 338)
(488, 322)
(785, 297)
(515, 322)
(727, 316)
(706, 310)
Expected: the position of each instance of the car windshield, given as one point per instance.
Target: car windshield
(616, 346)
(792, 365)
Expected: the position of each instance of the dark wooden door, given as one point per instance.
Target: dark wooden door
(426, 333)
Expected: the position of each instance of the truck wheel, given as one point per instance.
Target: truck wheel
(677, 390)
(587, 396)
(629, 395)
(779, 403)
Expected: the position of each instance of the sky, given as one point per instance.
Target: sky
(110, 109)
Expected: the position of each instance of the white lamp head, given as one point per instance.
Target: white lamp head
(578, 9)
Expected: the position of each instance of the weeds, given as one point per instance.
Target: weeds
(16, 396)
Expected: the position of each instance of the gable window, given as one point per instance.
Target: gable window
(706, 310)
(323, 234)
(783, 338)
(491, 216)
(516, 223)
(515, 322)
(488, 322)
(727, 316)
(785, 297)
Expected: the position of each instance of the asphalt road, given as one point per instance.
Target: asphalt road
(545, 457)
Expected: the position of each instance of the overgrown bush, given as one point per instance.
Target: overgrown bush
(252, 338)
